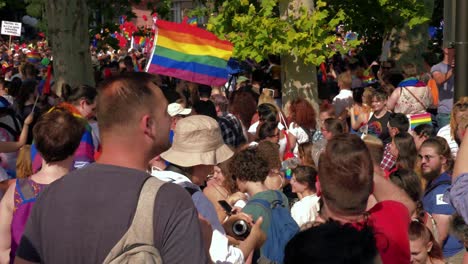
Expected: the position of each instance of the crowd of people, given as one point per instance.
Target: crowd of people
(149, 169)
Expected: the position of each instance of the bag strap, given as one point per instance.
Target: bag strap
(191, 191)
(417, 99)
(141, 229)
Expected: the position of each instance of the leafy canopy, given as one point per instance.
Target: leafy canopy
(257, 29)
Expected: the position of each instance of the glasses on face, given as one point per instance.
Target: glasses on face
(461, 106)
(426, 157)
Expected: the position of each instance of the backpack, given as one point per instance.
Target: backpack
(282, 228)
(14, 131)
(137, 245)
(310, 134)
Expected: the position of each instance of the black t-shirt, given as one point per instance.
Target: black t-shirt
(80, 217)
(378, 127)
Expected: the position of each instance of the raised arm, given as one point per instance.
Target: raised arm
(14, 146)
(442, 78)
(393, 99)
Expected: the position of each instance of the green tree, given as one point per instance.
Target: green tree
(302, 31)
(299, 31)
(67, 23)
(404, 22)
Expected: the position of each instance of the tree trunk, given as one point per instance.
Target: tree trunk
(408, 45)
(68, 35)
(299, 80)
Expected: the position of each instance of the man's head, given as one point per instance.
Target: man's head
(346, 175)
(204, 92)
(205, 108)
(248, 166)
(397, 123)
(436, 158)
(198, 144)
(177, 111)
(332, 242)
(221, 103)
(131, 106)
(57, 135)
(345, 80)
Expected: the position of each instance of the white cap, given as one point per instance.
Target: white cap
(177, 109)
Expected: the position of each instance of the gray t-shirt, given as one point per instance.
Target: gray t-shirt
(80, 217)
(446, 90)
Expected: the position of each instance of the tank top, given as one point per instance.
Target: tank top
(26, 193)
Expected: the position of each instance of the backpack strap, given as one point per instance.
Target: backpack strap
(141, 230)
(10, 130)
(270, 205)
(437, 185)
(191, 190)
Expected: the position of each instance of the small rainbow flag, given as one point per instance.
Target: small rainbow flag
(33, 57)
(192, 21)
(142, 41)
(419, 119)
(189, 53)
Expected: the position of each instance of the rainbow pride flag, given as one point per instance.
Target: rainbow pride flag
(142, 41)
(419, 119)
(33, 57)
(189, 53)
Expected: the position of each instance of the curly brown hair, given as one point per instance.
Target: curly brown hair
(302, 113)
(269, 151)
(246, 165)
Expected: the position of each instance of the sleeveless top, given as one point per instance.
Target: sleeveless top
(26, 193)
(407, 103)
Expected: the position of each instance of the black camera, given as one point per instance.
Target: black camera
(241, 228)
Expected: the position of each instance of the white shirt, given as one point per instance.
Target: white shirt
(305, 210)
(445, 132)
(300, 135)
(343, 100)
(220, 250)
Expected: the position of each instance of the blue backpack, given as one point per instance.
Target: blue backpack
(282, 228)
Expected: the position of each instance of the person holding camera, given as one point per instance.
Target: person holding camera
(197, 147)
(250, 171)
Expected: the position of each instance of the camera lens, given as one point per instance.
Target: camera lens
(240, 228)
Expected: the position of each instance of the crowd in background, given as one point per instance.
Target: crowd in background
(375, 172)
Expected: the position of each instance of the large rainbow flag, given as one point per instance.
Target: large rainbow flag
(189, 53)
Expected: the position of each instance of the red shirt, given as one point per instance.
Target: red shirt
(390, 220)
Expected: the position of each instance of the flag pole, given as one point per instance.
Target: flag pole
(148, 63)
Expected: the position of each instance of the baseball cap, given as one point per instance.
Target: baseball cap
(177, 109)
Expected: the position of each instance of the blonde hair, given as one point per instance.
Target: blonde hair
(24, 163)
(463, 121)
(265, 98)
(345, 78)
(460, 106)
(367, 95)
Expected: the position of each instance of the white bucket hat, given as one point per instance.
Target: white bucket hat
(197, 141)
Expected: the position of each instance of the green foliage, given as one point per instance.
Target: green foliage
(377, 18)
(257, 29)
